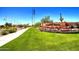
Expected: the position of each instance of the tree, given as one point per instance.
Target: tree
(8, 24)
(37, 24)
(46, 19)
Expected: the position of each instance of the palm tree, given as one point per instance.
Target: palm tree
(61, 18)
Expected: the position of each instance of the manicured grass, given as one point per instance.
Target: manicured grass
(34, 40)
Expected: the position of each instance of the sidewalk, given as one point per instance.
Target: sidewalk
(7, 38)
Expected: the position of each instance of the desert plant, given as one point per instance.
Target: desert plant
(12, 30)
(4, 32)
(7, 31)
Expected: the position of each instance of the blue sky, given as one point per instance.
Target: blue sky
(23, 15)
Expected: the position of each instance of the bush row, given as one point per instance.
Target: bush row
(7, 31)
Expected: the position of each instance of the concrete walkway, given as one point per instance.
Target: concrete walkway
(7, 38)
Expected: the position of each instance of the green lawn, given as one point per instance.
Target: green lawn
(34, 40)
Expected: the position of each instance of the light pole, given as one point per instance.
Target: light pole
(33, 16)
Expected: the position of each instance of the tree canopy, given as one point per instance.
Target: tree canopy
(46, 19)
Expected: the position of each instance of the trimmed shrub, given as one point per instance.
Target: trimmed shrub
(12, 30)
(7, 31)
(4, 32)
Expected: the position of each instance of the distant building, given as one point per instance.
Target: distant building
(60, 26)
